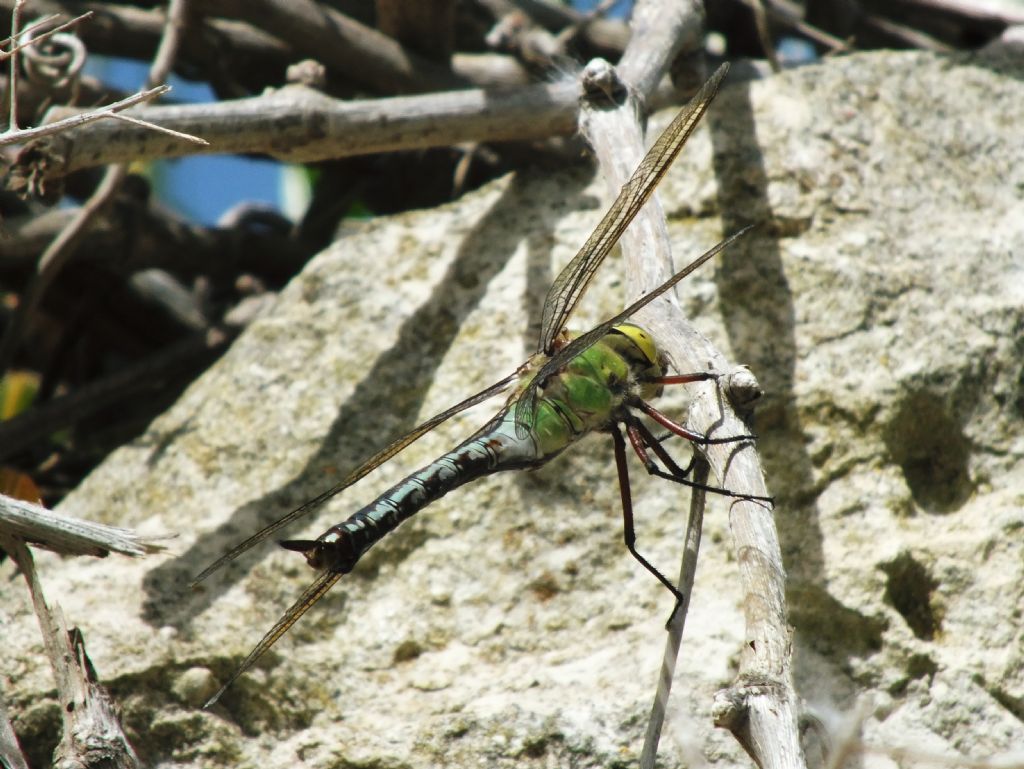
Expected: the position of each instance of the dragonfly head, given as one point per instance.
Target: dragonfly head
(644, 357)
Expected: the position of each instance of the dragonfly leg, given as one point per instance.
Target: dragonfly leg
(700, 376)
(667, 422)
(628, 532)
(642, 438)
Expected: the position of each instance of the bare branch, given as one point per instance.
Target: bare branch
(66, 535)
(609, 34)
(35, 39)
(660, 30)
(10, 753)
(170, 42)
(687, 573)
(159, 129)
(81, 119)
(906, 33)
(362, 53)
(12, 78)
(764, 33)
(427, 26)
(92, 733)
(28, 30)
(769, 725)
(297, 124)
(787, 13)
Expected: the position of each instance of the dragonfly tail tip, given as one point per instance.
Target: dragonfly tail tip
(298, 545)
(213, 700)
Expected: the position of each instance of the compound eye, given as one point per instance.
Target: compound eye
(643, 341)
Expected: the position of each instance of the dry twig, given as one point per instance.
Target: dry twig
(10, 752)
(66, 535)
(63, 246)
(92, 732)
(300, 125)
(687, 572)
(36, 39)
(765, 720)
(75, 121)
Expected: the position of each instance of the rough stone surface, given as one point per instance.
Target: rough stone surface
(882, 308)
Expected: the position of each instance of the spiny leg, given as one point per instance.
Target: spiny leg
(670, 424)
(700, 376)
(628, 532)
(642, 438)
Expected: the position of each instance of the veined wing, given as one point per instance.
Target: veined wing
(372, 463)
(570, 284)
(527, 400)
(312, 594)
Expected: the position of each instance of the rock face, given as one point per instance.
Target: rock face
(882, 307)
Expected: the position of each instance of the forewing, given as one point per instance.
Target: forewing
(570, 284)
(311, 595)
(372, 463)
(528, 398)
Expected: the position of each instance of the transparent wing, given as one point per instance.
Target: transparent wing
(569, 286)
(312, 594)
(372, 463)
(527, 400)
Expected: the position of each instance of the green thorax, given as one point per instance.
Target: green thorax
(593, 386)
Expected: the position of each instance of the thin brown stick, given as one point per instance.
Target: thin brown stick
(673, 641)
(170, 42)
(53, 259)
(75, 121)
(158, 129)
(361, 53)
(43, 35)
(12, 82)
(907, 34)
(764, 33)
(787, 13)
(63, 246)
(33, 26)
(92, 732)
(10, 752)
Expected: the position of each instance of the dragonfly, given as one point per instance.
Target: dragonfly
(575, 384)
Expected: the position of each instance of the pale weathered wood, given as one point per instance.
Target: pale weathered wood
(92, 735)
(301, 125)
(10, 752)
(763, 692)
(66, 535)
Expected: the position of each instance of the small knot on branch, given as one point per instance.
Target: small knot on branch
(742, 388)
(602, 84)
